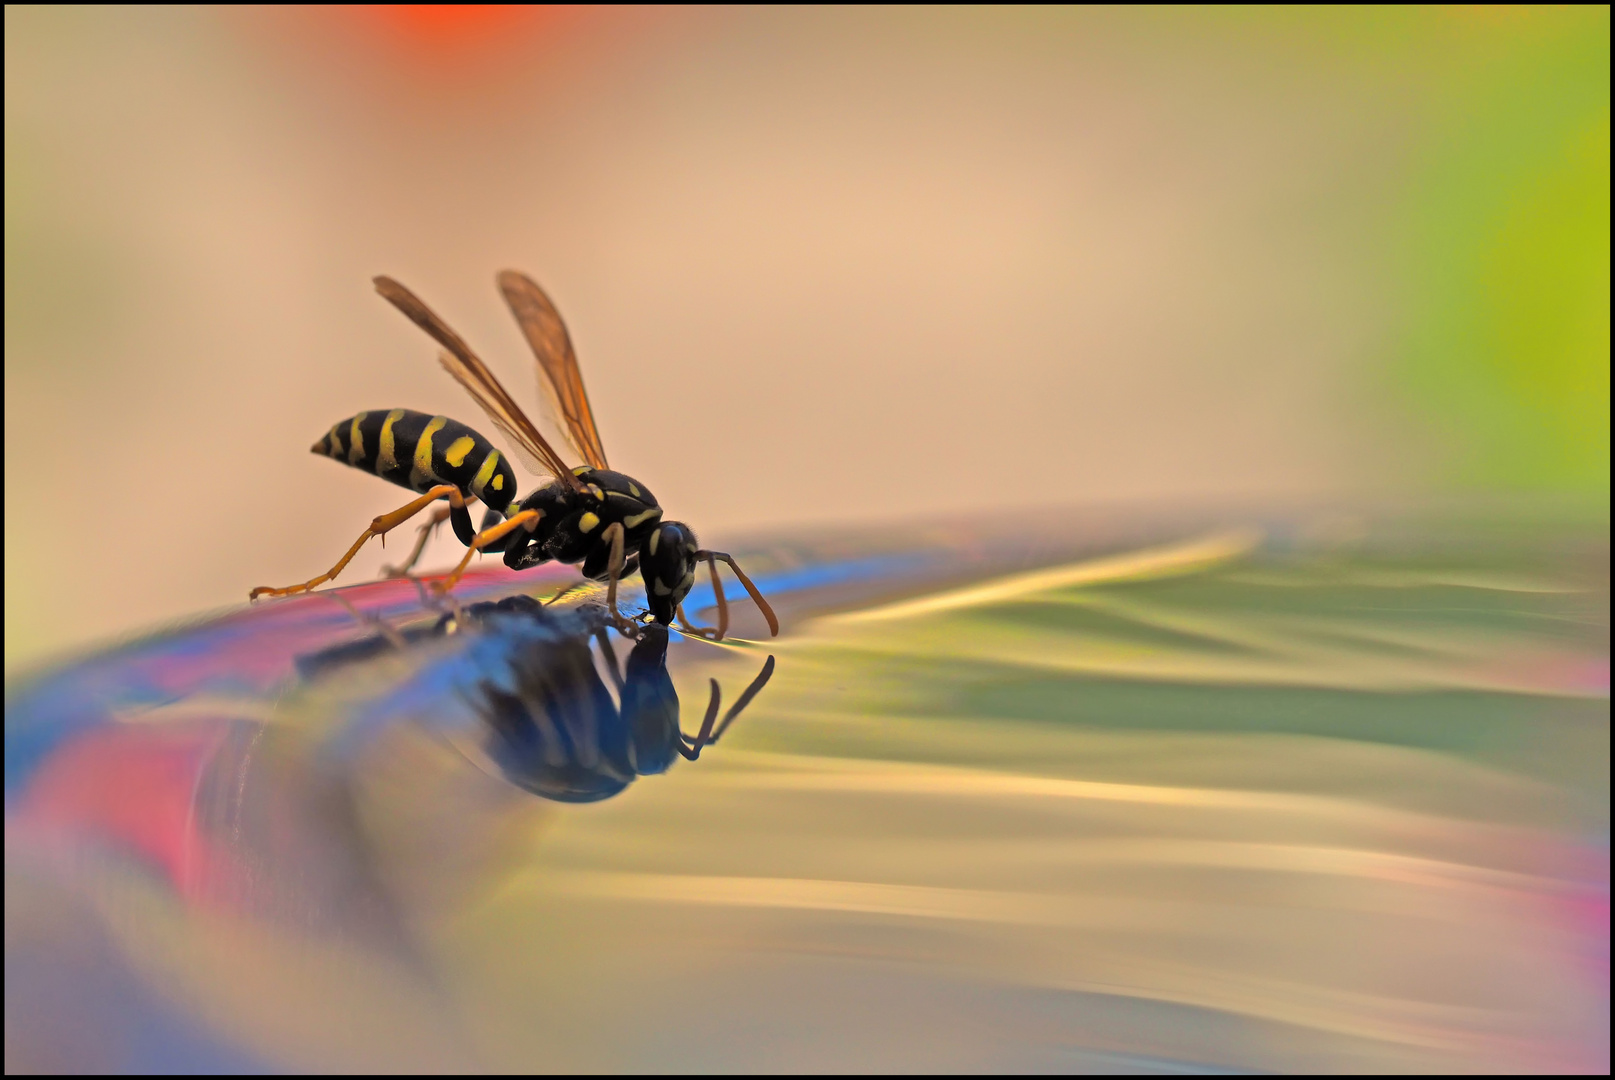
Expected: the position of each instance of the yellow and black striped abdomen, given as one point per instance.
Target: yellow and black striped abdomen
(418, 451)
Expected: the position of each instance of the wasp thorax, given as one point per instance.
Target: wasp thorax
(667, 562)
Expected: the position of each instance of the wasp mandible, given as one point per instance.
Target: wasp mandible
(606, 520)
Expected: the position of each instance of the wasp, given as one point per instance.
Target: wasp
(608, 521)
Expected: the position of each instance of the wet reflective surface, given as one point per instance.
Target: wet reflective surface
(1295, 793)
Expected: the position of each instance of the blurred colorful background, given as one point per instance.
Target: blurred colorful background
(1177, 442)
(822, 266)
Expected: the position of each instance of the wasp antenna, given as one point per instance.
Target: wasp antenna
(740, 704)
(705, 735)
(757, 597)
(717, 593)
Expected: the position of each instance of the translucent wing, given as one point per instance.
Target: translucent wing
(479, 382)
(546, 333)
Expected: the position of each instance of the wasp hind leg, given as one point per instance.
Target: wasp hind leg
(486, 539)
(380, 526)
(423, 534)
(462, 529)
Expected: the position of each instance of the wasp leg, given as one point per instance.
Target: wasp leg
(482, 540)
(610, 656)
(462, 529)
(380, 526)
(625, 626)
(757, 597)
(723, 606)
(704, 736)
(489, 520)
(597, 567)
(563, 592)
(446, 605)
(439, 516)
(381, 626)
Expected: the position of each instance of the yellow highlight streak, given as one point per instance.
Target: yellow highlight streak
(1166, 561)
(1045, 909)
(804, 773)
(812, 894)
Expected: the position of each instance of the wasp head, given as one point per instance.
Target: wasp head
(667, 562)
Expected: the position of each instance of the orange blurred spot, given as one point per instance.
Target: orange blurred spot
(456, 26)
(444, 20)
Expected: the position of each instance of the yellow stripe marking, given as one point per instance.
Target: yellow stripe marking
(633, 489)
(655, 540)
(580, 470)
(334, 438)
(639, 519)
(421, 476)
(458, 449)
(498, 482)
(588, 522)
(386, 456)
(484, 474)
(356, 440)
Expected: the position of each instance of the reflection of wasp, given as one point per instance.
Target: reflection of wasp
(528, 677)
(606, 520)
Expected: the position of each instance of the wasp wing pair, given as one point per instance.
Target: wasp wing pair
(558, 373)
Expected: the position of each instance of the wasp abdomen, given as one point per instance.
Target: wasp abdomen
(419, 452)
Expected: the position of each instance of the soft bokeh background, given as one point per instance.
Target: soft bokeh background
(1176, 443)
(821, 266)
